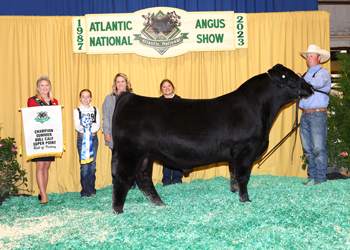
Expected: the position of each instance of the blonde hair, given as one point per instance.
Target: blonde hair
(128, 84)
(43, 78)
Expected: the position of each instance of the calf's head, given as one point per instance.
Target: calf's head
(285, 77)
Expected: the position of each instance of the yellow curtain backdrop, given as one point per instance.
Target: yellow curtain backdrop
(31, 46)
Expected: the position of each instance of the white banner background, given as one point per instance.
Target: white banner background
(43, 131)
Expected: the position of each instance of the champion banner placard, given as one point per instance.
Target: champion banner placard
(43, 131)
(159, 32)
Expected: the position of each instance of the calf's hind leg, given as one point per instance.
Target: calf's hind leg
(144, 181)
(233, 182)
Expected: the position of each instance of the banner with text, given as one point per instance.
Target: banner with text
(43, 131)
(159, 32)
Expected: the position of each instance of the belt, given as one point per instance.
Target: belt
(93, 134)
(313, 110)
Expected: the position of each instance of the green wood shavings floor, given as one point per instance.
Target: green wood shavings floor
(203, 214)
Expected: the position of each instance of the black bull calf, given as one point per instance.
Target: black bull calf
(185, 134)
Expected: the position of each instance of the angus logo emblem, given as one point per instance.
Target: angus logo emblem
(161, 31)
(42, 117)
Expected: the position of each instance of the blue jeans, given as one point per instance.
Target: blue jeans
(171, 176)
(87, 171)
(313, 133)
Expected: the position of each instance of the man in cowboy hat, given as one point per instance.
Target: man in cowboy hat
(313, 122)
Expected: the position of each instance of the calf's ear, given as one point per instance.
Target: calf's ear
(278, 66)
(275, 70)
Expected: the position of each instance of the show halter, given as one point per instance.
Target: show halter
(87, 154)
(295, 125)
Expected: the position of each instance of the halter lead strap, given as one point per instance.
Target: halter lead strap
(295, 125)
(313, 76)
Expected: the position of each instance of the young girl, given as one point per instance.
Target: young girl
(87, 123)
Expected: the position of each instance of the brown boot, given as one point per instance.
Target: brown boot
(305, 183)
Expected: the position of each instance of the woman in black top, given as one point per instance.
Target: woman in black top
(170, 176)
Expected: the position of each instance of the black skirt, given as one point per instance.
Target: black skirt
(50, 158)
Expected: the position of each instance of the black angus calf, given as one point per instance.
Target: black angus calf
(185, 133)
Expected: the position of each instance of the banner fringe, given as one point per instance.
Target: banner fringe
(58, 154)
(87, 161)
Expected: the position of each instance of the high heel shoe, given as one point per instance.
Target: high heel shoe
(39, 197)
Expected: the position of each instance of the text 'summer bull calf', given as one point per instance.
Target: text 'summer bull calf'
(185, 133)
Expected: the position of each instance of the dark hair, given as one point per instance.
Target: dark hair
(166, 80)
(87, 90)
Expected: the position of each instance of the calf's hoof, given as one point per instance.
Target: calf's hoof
(234, 188)
(159, 203)
(244, 198)
(118, 210)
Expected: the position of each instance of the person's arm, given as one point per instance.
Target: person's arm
(96, 125)
(54, 102)
(32, 103)
(77, 124)
(321, 79)
(106, 120)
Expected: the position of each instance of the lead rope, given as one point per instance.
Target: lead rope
(296, 124)
(295, 127)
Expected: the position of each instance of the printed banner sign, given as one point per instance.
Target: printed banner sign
(159, 32)
(43, 131)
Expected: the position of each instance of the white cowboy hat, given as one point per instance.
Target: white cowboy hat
(325, 55)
